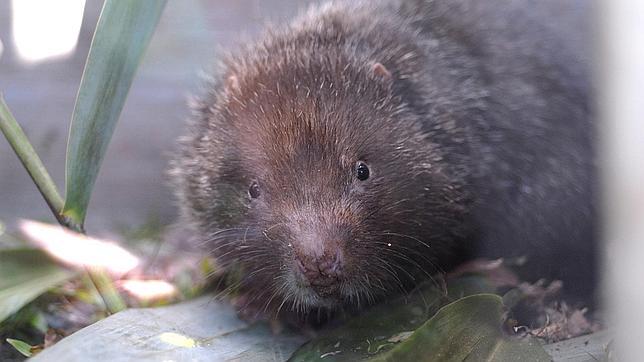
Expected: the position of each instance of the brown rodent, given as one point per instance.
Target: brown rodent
(368, 145)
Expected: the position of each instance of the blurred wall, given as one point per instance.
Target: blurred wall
(132, 187)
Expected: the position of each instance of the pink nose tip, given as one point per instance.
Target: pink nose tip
(323, 271)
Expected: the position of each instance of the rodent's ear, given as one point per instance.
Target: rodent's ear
(232, 83)
(381, 71)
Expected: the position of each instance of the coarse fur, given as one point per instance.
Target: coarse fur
(473, 118)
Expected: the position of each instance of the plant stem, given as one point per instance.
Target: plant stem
(103, 284)
(29, 158)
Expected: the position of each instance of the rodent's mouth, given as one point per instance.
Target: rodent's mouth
(306, 298)
(310, 298)
(308, 295)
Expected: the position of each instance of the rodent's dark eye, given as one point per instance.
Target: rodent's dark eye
(254, 190)
(362, 171)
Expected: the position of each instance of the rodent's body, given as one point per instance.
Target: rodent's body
(342, 157)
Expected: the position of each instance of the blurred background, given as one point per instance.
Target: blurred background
(43, 46)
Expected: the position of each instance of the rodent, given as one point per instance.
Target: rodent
(370, 144)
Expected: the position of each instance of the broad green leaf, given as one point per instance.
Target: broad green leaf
(20, 346)
(209, 330)
(469, 329)
(199, 330)
(24, 275)
(372, 332)
(122, 35)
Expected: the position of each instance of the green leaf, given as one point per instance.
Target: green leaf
(207, 330)
(203, 329)
(469, 329)
(24, 275)
(122, 35)
(381, 327)
(20, 346)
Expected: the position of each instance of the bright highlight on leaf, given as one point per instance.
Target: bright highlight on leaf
(149, 290)
(79, 250)
(178, 340)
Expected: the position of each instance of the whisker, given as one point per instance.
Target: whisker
(407, 236)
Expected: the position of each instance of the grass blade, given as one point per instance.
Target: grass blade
(122, 35)
(29, 158)
(20, 346)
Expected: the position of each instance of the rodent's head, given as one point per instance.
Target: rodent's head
(318, 181)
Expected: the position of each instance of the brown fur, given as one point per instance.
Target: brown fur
(389, 86)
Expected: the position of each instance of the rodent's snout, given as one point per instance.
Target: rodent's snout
(323, 273)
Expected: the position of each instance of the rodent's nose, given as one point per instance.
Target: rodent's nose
(321, 272)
